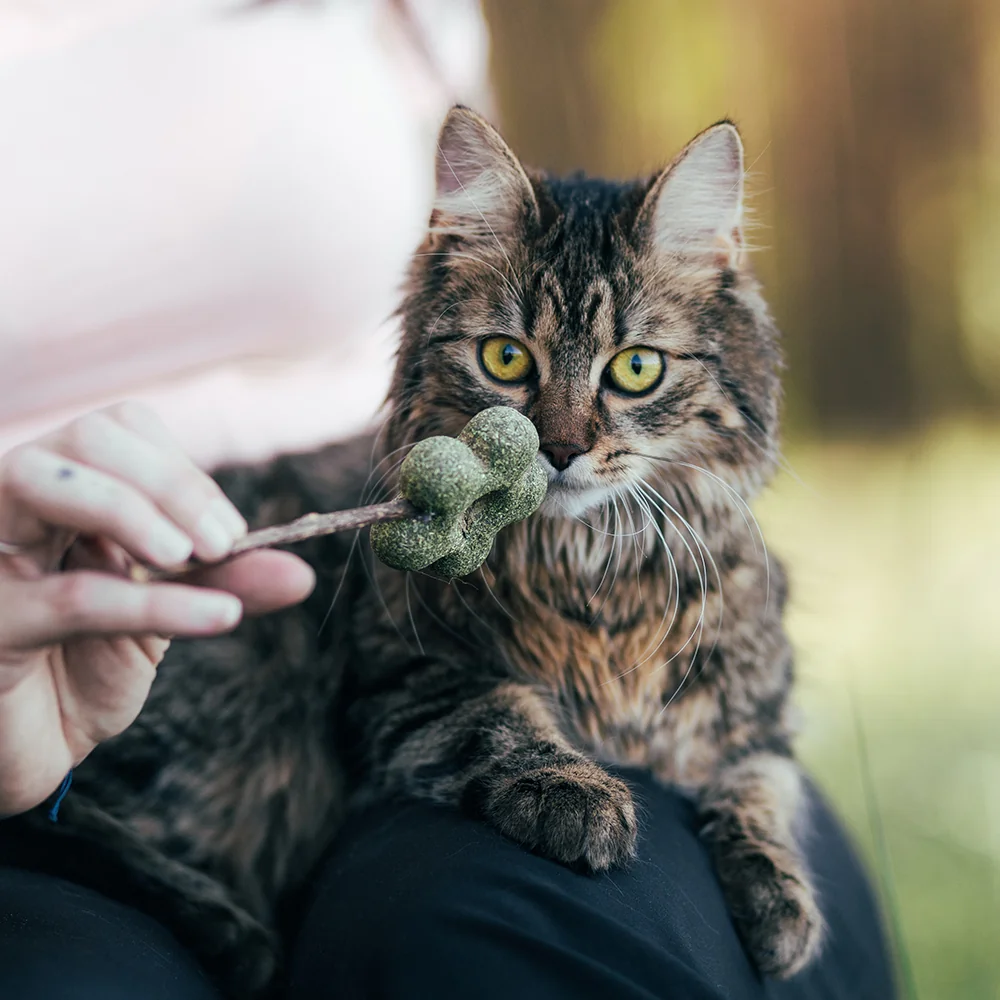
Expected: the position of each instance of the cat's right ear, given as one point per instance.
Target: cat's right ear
(482, 191)
(695, 207)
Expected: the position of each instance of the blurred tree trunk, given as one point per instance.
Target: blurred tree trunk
(871, 129)
(543, 72)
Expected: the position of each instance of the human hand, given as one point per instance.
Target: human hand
(79, 641)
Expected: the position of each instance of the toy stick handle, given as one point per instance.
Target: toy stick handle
(307, 526)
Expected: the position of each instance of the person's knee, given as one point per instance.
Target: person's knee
(62, 942)
(417, 901)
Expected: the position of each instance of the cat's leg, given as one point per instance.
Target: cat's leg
(498, 754)
(90, 847)
(751, 814)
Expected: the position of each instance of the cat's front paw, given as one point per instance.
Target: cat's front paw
(575, 813)
(775, 909)
(240, 954)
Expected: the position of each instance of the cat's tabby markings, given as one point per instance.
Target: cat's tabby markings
(635, 619)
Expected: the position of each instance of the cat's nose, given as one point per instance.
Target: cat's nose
(560, 454)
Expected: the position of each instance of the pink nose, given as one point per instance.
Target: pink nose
(561, 454)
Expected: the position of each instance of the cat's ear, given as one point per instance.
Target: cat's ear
(482, 191)
(695, 207)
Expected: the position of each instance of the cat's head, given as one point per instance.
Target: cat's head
(621, 318)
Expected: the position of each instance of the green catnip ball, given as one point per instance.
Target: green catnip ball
(470, 487)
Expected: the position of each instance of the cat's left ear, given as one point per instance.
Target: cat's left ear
(482, 191)
(695, 207)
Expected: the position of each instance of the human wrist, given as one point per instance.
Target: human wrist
(34, 759)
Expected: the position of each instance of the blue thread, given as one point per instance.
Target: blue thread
(60, 795)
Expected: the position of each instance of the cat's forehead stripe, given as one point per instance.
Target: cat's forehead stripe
(588, 320)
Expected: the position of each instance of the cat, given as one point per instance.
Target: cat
(636, 619)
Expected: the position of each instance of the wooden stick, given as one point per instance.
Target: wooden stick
(307, 526)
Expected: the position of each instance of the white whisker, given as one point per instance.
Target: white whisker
(373, 580)
(369, 492)
(748, 515)
(635, 551)
(660, 634)
(482, 621)
(489, 590)
(618, 542)
(701, 569)
(439, 620)
(486, 221)
(409, 612)
(441, 315)
(611, 553)
(479, 260)
(706, 553)
(340, 583)
(675, 581)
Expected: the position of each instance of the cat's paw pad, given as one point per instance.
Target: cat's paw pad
(576, 814)
(776, 913)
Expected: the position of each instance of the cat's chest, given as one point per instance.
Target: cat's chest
(623, 689)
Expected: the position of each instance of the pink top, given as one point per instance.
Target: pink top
(210, 208)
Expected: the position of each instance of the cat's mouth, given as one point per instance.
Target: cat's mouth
(573, 491)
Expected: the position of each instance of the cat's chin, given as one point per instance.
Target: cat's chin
(564, 501)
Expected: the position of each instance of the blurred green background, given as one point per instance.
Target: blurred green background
(873, 139)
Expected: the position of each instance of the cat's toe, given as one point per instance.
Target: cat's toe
(788, 937)
(777, 915)
(252, 971)
(576, 814)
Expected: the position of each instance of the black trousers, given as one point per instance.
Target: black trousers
(417, 902)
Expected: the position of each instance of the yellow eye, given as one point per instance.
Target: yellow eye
(636, 370)
(505, 359)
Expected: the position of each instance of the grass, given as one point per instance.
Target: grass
(894, 552)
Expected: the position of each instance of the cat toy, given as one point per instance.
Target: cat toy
(455, 495)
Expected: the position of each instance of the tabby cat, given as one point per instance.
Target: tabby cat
(635, 619)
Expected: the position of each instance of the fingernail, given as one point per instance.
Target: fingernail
(230, 517)
(170, 546)
(214, 538)
(217, 610)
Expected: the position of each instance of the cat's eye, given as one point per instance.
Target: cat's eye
(505, 359)
(636, 370)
